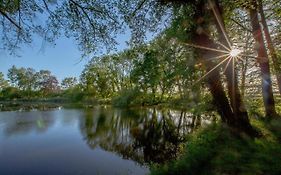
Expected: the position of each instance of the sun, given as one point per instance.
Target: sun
(234, 52)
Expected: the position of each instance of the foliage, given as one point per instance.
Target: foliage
(26, 83)
(160, 70)
(128, 98)
(10, 93)
(93, 24)
(3, 83)
(69, 82)
(216, 150)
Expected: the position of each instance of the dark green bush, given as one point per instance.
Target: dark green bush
(10, 93)
(127, 98)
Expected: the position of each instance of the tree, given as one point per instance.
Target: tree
(12, 75)
(69, 82)
(263, 61)
(101, 76)
(50, 85)
(47, 83)
(200, 35)
(3, 83)
(22, 78)
(18, 24)
(270, 46)
(236, 102)
(147, 73)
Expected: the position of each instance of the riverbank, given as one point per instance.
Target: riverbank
(41, 104)
(217, 150)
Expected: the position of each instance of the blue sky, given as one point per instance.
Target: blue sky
(63, 59)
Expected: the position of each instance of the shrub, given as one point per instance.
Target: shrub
(127, 97)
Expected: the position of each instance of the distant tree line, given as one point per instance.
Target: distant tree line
(158, 72)
(26, 83)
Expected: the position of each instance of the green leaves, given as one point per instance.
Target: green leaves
(69, 82)
(29, 79)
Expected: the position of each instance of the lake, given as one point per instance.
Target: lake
(98, 140)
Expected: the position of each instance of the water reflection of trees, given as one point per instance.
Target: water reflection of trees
(143, 135)
(27, 106)
(25, 122)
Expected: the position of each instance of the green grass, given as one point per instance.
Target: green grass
(216, 150)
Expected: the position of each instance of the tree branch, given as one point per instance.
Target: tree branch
(138, 7)
(241, 25)
(9, 19)
(84, 12)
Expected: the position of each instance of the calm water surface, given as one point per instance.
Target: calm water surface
(101, 140)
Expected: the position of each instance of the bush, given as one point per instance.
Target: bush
(10, 93)
(127, 98)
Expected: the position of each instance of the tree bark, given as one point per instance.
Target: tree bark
(263, 61)
(238, 120)
(243, 78)
(270, 45)
(244, 68)
(236, 102)
(200, 37)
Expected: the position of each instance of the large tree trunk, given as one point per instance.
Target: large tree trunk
(239, 122)
(214, 80)
(201, 37)
(263, 61)
(270, 45)
(236, 102)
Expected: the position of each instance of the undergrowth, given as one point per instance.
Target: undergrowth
(216, 150)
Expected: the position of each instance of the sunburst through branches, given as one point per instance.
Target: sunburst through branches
(234, 52)
(229, 54)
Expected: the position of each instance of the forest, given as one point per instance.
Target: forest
(209, 57)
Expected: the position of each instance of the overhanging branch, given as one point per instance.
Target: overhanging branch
(9, 19)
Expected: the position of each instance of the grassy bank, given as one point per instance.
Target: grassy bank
(216, 150)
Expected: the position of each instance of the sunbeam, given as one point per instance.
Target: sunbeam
(240, 58)
(250, 56)
(219, 22)
(220, 63)
(231, 53)
(228, 49)
(227, 64)
(218, 57)
(206, 48)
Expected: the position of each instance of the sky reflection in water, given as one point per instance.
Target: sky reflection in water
(91, 141)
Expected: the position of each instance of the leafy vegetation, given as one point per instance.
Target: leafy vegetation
(217, 150)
